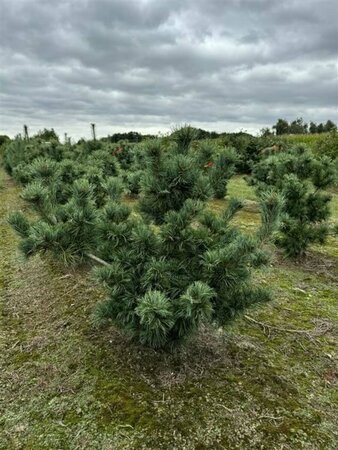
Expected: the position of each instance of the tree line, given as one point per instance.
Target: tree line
(298, 126)
(281, 127)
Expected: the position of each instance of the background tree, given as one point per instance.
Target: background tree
(298, 127)
(329, 126)
(222, 169)
(265, 132)
(320, 128)
(313, 128)
(47, 135)
(281, 127)
(327, 145)
(301, 179)
(3, 141)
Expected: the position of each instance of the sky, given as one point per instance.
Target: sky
(151, 65)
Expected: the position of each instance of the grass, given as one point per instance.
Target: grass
(321, 144)
(309, 139)
(239, 188)
(257, 385)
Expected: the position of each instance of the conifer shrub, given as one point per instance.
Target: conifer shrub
(301, 179)
(204, 153)
(133, 182)
(68, 231)
(184, 137)
(196, 268)
(125, 153)
(67, 194)
(218, 163)
(17, 152)
(222, 169)
(327, 144)
(165, 281)
(247, 148)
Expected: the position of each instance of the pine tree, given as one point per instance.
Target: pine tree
(218, 163)
(222, 169)
(300, 179)
(195, 268)
(164, 282)
(204, 153)
(67, 231)
(67, 194)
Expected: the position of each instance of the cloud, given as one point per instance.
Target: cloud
(149, 64)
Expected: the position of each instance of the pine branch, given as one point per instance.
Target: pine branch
(308, 333)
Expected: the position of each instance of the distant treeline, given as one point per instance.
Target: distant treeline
(281, 127)
(131, 136)
(134, 136)
(298, 126)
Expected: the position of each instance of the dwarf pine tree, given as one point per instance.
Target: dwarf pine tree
(165, 281)
(67, 194)
(68, 231)
(218, 163)
(222, 169)
(300, 179)
(204, 153)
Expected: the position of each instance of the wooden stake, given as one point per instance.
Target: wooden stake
(25, 131)
(97, 259)
(93, 131)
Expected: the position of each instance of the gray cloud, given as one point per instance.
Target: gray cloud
(149, 64)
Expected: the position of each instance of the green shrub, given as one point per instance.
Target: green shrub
(327, 145)
(300, 178)
(222, 169)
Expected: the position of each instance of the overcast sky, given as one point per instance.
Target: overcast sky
(147, 65)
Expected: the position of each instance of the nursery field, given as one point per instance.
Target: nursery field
(308, 139)
(268, 381)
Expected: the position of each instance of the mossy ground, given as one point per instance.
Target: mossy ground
(258, 385)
